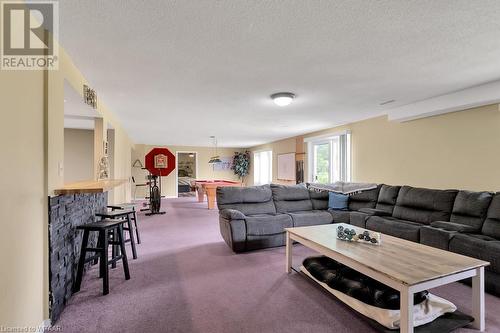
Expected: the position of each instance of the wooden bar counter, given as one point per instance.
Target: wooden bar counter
(72, 206)
(90, 186)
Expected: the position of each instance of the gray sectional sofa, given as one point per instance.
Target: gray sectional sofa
(463, 222)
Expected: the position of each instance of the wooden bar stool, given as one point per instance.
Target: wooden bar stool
(129, 206)
(104, 228)
(123, 214)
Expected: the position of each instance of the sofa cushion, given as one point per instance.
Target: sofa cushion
(374, 211)
(424, 205)
(395, 227)
(482, 237)
(293, 206)
(249, 194)
(478, 246)
(338, 201)
(491, 226)
(251, 208)
(263, 224)
(436, 237)
(358, 218)
(340, 216)
(291, 198)
(450, 226)
(387, 198)
(310, 217)
(289, 192)
(249, 200)
(470, 208)
(319, 200)
(365, 199)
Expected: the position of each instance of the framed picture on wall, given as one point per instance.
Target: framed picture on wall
(224, 165)
(286, 166)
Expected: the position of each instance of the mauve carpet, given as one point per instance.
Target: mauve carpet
(186, 279)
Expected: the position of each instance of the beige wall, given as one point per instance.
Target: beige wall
(205, 170)
(23, 199)
(122, 143)
(78, 154)
(32, 150)
(121, 165)
(455, 150)
(277, 147)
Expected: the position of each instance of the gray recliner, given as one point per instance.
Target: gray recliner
(464, 222)
(468, 214)
(415, 207)
(248, 219)
(484, 244)
(296, 202)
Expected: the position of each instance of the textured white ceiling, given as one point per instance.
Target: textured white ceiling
(176, 72)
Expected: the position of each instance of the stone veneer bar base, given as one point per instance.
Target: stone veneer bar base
(66, 212)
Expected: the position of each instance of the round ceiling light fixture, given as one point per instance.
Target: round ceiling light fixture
(283, 98)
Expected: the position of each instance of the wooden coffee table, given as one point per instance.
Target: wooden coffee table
(403, 265)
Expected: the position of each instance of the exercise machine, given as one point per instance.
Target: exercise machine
(159, 162)
(154, 204)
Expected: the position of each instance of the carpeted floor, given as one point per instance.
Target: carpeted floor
(187, 280)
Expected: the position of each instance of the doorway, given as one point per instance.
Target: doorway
(187, 171)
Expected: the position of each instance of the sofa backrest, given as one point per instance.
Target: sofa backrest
(491, 226)
(387, 198)
(365, 199)
(424, 205)
(249, 200)
(319, 200)
(291, 198)
(470, 208)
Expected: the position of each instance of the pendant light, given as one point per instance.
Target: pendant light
(214, 159)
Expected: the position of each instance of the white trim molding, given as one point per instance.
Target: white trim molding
(326, 136)
(481, 95)
(177, 169)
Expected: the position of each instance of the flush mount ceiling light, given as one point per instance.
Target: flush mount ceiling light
(283, 98)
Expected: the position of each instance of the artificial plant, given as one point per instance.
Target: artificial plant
(241, 164)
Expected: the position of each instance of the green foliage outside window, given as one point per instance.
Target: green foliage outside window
(322, 163)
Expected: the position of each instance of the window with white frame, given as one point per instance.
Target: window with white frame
(329, 158)
(262, 167)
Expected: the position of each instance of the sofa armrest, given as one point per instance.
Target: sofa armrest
(232, 214)
(450, 226)
(374, 212)
(234, 233)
